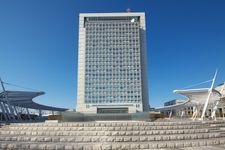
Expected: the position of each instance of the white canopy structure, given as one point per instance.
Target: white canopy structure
(11, 100)
(199, 96)
(25, 99)
(199, 99)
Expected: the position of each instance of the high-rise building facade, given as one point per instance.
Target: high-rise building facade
(112, 63)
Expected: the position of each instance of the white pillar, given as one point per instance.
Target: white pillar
(170, 114)
(3, 111)
(213, 115)
(209, 95)
(28, 114)
(7, 111)
(18, 115)
(40, 113)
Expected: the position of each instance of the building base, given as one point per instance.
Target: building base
(81, 117)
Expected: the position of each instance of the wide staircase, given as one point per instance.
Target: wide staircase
(112, 135)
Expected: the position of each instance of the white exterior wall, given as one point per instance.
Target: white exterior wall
(81, 67)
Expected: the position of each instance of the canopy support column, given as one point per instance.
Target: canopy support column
(3, 111)
(28, 114)
(8, 102)
(18, 115)
(195, 113)
(213, 115)
(7, 111)
(182, 113)
(222, 113)
(209, 95)
(170, 115)
(40, 113)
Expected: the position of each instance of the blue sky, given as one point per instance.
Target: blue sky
(38, 44)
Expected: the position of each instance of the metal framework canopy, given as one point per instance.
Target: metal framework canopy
(25, 99)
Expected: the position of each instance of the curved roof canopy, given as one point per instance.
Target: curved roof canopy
(194, 97)
(25, 99)
(199, 96)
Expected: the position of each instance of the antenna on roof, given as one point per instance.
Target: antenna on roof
(128, 10)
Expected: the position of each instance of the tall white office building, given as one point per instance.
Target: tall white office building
(112, 75)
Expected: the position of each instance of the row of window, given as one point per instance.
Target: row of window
(132, 84)
(114, 63)
(112, 86)
(107, 30)
(113, 83)
(121, 85)
(112, 24)
(112, 96)
(106, 56)
(115, 46)
(113, 90)
(130, 61)
(122, 79)
(118, 46)
(110, 90)
(106, 37)
(111, 54)
(110, 44)
(87, 74)
(103, 69)
(111, 41)
(133, 49)
(95, 58)
(112, 101)
(114, 59)
(121, 36)
(108, 52)
(114, 34)
(112, 28)
(114, 78)
(119, 71)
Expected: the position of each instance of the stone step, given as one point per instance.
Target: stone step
(118, 128)
(102, 133)
(84, 139)
(111, 145)
(112, 124)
